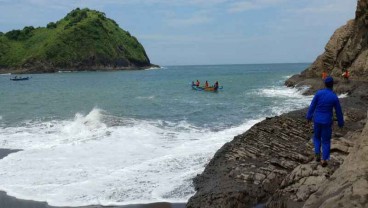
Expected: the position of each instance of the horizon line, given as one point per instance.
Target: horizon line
(236, 64)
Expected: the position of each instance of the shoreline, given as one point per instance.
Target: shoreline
(7, 201)
(76, 69)
(13, 202)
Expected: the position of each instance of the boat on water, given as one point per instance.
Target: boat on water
(19, 78)
(209, 89)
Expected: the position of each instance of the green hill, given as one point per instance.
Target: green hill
(83, 40)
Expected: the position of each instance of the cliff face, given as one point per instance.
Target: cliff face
(346, 49)
(83, 40)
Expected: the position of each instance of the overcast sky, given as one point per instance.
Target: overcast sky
(191, 32)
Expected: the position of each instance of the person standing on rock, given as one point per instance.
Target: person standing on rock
(346, 74)
(321, 110)
(324, 75)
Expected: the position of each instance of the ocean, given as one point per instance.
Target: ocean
(128, 137)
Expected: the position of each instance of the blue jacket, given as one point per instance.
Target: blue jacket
(321, 108)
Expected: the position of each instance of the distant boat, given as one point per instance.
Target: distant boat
(210, 89)
(19, 78)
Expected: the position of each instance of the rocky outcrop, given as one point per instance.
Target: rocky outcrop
(272, 163)
(348, 186)
(346, 49)
(306, 179)
(248, 170)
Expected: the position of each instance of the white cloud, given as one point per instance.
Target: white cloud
(202, 3)
(196, 19)
(169, 38)
(324, 6)
(253, 4)
(200, 39)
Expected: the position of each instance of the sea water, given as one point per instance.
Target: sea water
(129, 137)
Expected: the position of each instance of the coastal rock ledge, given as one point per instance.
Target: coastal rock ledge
(272, 165)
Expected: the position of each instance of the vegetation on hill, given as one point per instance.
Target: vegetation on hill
(83, 40)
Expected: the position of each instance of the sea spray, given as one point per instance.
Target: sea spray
(142, 162)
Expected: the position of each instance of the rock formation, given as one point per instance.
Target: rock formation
(348, 186)
(346, 49)
(247, 170)
(272, 163)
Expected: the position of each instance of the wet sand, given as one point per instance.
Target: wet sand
(12, 202)
(6, 152)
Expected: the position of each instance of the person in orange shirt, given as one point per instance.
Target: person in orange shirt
(206, 85)
(346, 74)
(324, 75)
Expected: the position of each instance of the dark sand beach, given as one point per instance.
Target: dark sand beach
(6, 152)
(7, 201)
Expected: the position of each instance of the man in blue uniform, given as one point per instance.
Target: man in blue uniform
(321, 110)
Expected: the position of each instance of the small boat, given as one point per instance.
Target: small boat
(194, 87)
(19, 78)
(209, 89)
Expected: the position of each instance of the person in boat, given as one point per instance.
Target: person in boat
(321, 110)
(206, 84)
(193, 83)
(197, 83)
(216, 85)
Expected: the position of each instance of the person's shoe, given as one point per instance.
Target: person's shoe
(324, 163)
(317, 157)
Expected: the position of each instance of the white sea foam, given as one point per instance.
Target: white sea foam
(282, 91)
(5, 74)
(146, 97)
(344, 95)
(285, 99)
(153, 68)
(101, 159)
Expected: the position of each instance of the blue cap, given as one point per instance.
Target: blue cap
(329, 80)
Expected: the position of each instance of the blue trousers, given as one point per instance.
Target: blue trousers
(322, 137)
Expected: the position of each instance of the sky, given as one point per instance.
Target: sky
(201, 32)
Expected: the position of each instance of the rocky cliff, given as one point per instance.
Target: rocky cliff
(346, 49)
(83, 40)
